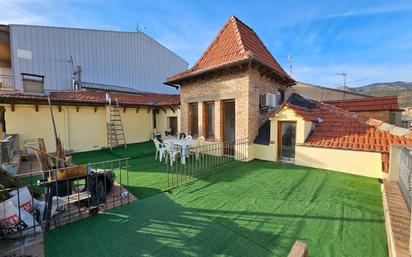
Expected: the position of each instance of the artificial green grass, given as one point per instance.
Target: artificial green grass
(251, 209)
(146, 177)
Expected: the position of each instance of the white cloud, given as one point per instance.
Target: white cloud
(389, 8)
(358, 74)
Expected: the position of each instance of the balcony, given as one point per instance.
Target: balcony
(6, 82)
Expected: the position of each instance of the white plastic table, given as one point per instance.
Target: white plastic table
(184, 145)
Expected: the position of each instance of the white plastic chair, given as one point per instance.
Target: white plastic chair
(171, 153)
(188, 137)
(196, 150)
(160, 149)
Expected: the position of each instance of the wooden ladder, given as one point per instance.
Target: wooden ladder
(115, 131)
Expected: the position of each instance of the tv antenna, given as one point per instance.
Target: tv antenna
(344, 75)
(139, 28)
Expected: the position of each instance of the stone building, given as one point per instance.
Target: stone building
(232, 89)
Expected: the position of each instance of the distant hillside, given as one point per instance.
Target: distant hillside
(402, 89)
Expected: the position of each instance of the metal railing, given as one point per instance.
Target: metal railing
(203, 159)
(405, 175)
(46, 200)
(6, 82)
(9, 147)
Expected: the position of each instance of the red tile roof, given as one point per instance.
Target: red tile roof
(385, 103)
(340, 129)
(235, 43)
(93, 98)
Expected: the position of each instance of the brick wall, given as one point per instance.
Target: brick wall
(243, 86)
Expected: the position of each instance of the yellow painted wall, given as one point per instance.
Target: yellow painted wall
(85, 128)
(138, 126)
(354, 162)
(263, 152)
(30, 125)
(162, 120)
(79, 131)
(270, 152)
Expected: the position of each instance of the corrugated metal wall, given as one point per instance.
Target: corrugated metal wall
(130, 59)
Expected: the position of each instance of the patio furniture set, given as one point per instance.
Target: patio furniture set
(170, 149)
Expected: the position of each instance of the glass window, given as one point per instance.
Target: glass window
(210, 120)
(193, 120)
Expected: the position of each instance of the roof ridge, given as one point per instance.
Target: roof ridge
(239, 38)
(211, 44)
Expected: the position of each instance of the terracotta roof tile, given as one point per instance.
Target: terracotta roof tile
(384, 103)
(341, 129)
(93, 97)
(235, 42)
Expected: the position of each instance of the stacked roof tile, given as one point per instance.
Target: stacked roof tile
(340, 129)
(384, 103)
(92, 97)
(235, 43)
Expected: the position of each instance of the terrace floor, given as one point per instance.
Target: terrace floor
(256, 208)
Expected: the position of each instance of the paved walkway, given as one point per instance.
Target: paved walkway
(397, 219)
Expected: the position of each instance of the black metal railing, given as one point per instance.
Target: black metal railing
(45, 200)
(203, 159)
(8, 148)
(6, 82)
(405, 175)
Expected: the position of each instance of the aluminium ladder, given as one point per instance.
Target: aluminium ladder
(115, 131)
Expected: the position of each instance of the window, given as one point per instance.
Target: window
(193, 119)
(172, 126)
(209, 120)
(281, 97)
(392, 118)
(33, 83)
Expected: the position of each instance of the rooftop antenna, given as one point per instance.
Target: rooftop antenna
(290, 61)
(344, 74)
(139, 28)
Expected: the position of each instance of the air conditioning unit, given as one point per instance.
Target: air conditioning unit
(268, 101)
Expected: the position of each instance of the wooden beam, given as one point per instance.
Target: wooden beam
(36, 107)
(12, 107)
(137, 109)
(148, 109)
(124, 109)
(178, 107)
(157, 110)
(59, 108)
(77, 108)
(95, 109)
(163, 109)
(171, 108)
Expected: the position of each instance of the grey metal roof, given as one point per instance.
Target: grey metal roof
(115, 88)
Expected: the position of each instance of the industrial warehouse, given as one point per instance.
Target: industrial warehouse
(108, 127)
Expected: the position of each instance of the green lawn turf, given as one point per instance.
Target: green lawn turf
(252, 209)
(147, 177)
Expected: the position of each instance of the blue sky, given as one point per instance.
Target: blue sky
(369, 40)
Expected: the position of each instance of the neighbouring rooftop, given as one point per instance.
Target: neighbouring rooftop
(340, 129)
(92, 97)
(383, 103)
